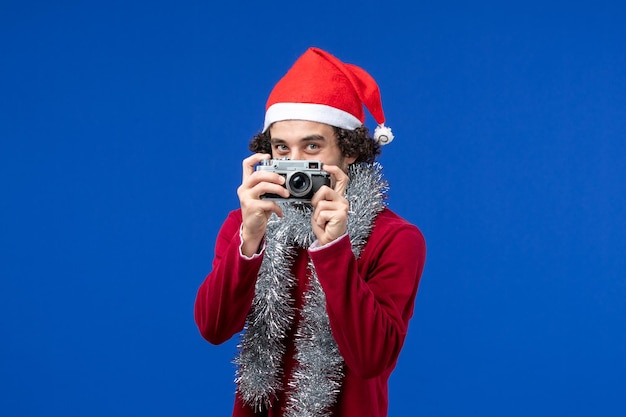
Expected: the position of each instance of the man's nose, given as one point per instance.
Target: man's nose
(295, 154)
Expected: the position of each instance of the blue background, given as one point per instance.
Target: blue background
(123, 125)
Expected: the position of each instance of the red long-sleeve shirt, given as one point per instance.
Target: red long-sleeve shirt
(369, 303)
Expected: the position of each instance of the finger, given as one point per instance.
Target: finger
(341, 179)
(270, 207)
(249, 187)
(250, 163)
(327, 209)
(257, 189)
(329, 224)
(327, 194)
(323, 194)
(269, 188)
(263, 176)
(256, 215)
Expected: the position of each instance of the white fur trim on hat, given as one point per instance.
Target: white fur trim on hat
(320, 113)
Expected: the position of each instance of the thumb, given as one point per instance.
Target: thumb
(341, 179)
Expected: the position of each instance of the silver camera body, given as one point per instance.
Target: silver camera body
(302, 178)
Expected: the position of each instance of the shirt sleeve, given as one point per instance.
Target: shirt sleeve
(315, 246)
(369, 303)
(225, 296)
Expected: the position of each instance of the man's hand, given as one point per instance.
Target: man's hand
(330, 217)
(254, 211)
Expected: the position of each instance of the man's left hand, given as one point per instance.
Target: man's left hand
(330, 217)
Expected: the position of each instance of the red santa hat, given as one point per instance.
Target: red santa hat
(321, 88)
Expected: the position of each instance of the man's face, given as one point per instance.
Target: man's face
(301, 139)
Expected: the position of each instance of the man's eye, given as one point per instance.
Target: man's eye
(313, 146)
(281, 148)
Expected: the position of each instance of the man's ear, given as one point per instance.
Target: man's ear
(350, 159)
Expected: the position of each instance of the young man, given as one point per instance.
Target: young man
(323, 290)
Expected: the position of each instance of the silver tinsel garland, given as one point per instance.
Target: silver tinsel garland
(317, 378)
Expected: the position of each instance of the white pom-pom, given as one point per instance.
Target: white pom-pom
(382, 134)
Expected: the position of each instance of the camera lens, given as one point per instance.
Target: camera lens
(299, 184)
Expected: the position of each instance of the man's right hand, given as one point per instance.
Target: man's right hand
(254, 211)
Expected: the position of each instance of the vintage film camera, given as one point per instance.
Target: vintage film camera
(302, 178)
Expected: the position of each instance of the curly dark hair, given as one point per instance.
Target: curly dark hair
(351, 142)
